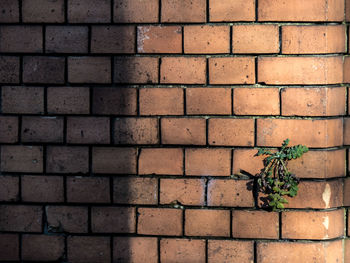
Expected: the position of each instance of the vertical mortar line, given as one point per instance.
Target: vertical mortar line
(184, 161)
(280, 225)
(66, 11)
(89, 39)
(280, 39)
(66, 70)
(256, 61)
(231, 39)
(20, 13)
(231, 223)
(138, 101)
(346, 162)
(44, 38)
(207, 71)
(208, 12)
(138, 152)
(255, 132)
(184, 91)
(159, 69)
(158, 248)
(255, 255)
(207, 132)
(19, 128)
(65, 129)
(280, 90)
(112, 69)
(206, 250)
(44, 158)
(112, 11)
(231, 161)
(45, 101)
(158, 191)
(90, 160)
(21, 70)
(90, 100)
(111, 188)
(65, 199)
(256, 10)
(183, 39)
(136, 219)
(135, 40)
(159, 130)
(111, 130)
(206, 184)
(159, 11)
(232, 101)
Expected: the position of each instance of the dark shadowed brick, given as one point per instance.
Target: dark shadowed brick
(43, 11)
(42, 247)
(89, 11)
(8, 129)
(9, 69)
(9, 188)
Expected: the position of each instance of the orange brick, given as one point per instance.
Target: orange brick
(234, 132)
(244, 161)
(300, 10)
(183, 131)
(232, 70)
(346, 131)
(256, 101)
(232, 193)
(313, 39)
(313, 224)
(346, 68)
(204, 101)
(346, 193)
(183, 11)
(230, 251)
(209, 162)
(160, 221)
(231, 10)
(182, 250)
(161, 101)
(312, 133)
(206, 39)
(183, 70)
(253, 224)
(347, 241)
(135, 11)
(255, 39)
(300, 70)
(159, 39)
(183, 191)
(161, 161)
(204, 222)
(327, 101)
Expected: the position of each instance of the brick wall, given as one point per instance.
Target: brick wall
(128, 128)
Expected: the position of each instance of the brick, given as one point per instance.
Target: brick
(112, 39)
(42, 189)
(119, 101)
(84, 130)
(161, 101)
(20, 218)
(9, 244)
(206, 101)
(231, 10)
(312, 133)
(313, 224)
(68, 100)
(21, 39)
(253, 224)
(183, 70)
(42, 247)
(288, 252)
(298, 10)
(347, 12)
(346, 131)
(255, 39)
(346, 69)
(183, 11)
(183, 131)
(113, 219)
(346, 191)
(235, 132)
(9, 189)
(136, 131)
(206, 39)
(79, 190)
(134, 11)
(8, 129)
(89, 69)
(64, 159)
(135, 190)
(346, 250)
(114, 160)
(313, 101)
(182, 191)
(82, 249)
(313, 39)
(135, 249)
(22, 100)
(208, 162)
(89, 11)
(9, 69)
(204, 222)
(159, 39)
(161, 161)
(230, 251)
(41, 69)
(233, 193)
(232, 70)
(256, 101)
(136, 70)
(72, 219)
(26, 159)
(66, 39)
(9, 11)
(300, 70)
(42, 129)
(182, 250)
(43, 11)
(244, 161)
(160, 221)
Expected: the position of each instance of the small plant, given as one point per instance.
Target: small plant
(274, 179)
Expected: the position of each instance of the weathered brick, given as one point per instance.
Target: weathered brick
(255, 39)
(89, 69)
(9, 244)
(346, 131)
(9, 189)
(9, 69)
(64, 159)
(346, 69)
(113, 39)
(89, 11)
(134, 11)
(183, 11)
(42, 188)
(43, 11)
(231, 10)
(183, 131)
(114, 160)
(159, 39)
(42, 247)
(346, 191)
(41, 69)
(80, 189)
(8, 129)
(244, 161)
(18, 158)
(182, 250)
(346, 245)
(183, 70)
(230, 251)
(9, 11)
(160, 221)
(66, 39)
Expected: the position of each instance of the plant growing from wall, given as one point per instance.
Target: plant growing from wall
(275, 180)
